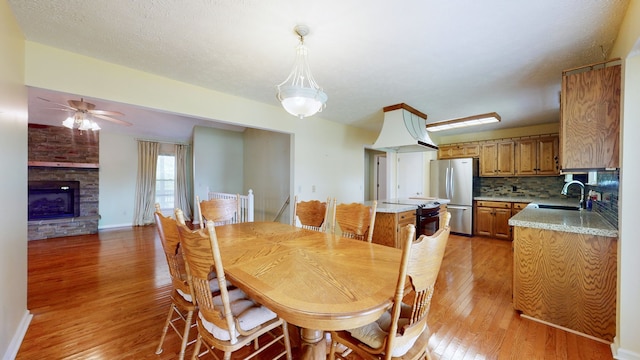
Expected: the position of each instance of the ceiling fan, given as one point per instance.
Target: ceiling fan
(82, 111)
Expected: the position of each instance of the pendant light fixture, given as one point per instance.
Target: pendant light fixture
(299, 94)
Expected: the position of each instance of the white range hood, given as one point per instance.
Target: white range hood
(404, 130)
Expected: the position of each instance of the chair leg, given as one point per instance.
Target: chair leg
(287, 343)
(196, 349)
(332, 350)
(164, 331)
(185, 335)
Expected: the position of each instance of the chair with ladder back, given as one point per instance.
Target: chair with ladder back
(220, 211)
(402, 331)
(354, 221)
(312, 214)
(231, 320)
(183, 302)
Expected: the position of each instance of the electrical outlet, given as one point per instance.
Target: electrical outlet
(313, 188)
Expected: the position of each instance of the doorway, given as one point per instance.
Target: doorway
(380, 181)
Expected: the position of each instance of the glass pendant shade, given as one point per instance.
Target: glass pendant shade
(299, 94)
(81, 122)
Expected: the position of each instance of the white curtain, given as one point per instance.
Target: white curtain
(182, 192)
(146, 182)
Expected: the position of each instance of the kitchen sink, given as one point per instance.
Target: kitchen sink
(558, 207)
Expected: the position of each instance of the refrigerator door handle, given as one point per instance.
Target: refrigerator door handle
(452, 186)
(446, 183)
(463, 208)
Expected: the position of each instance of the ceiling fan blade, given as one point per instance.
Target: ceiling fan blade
(66, 107)
(105, 112)
(117, 121)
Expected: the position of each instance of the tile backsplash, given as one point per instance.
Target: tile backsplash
(549, 187)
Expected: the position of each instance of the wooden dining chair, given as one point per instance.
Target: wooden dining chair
(231, 320)
(402, 332)
(220, 211)
(183, 302)
(355, 220)
(312, 214)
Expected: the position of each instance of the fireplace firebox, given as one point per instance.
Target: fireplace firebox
(53, 199)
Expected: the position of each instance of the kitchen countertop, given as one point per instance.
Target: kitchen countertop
(535, 200)
(573, 221)
(394, 206)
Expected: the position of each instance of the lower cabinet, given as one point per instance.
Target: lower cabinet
(567, 279)
(517, 207)
(386, 230)
(492, 219)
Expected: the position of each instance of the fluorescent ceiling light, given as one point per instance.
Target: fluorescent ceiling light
(464, 122)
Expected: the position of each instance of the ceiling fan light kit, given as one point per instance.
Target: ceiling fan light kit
(464, 122)
(299, 93)
(81, 122)
(82, 114)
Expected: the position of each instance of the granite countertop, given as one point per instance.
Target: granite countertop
(581, 222)
(394, 206)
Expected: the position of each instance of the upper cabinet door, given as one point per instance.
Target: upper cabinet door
(590, 119)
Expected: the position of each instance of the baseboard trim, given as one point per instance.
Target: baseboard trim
(622, 354)
(566, 329)
(18, 336)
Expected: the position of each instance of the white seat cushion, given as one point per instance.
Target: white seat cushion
(213, 285)
(248, 313)
(373, 335)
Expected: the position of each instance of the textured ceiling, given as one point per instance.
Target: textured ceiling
(445, 58)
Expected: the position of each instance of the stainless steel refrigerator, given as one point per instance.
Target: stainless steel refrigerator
(453, 180)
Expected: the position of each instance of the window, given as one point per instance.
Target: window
(165, 182)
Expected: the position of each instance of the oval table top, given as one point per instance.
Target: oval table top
(311, 279)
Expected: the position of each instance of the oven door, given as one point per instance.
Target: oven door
(427, 221)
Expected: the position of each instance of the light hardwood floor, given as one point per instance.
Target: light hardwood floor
(105, 296)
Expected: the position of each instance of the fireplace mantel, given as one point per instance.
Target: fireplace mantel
(63, 164)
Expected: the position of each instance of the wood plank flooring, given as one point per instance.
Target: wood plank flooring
(105, 296)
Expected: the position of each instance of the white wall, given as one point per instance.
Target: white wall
(14, 316)
(628, 336)
(627, 47)
(217, 161)
(118, 171)
(267, 171)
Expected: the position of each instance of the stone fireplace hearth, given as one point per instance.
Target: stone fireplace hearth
(58, 155)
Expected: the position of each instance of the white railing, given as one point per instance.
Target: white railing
(246, 203)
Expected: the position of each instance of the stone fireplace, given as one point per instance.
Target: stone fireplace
(63, 182)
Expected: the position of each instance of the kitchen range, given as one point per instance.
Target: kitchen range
(393, 214)
(427, 214)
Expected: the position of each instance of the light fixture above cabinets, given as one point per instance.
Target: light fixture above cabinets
(464, 122)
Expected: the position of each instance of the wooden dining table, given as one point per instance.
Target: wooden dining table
(316, 281)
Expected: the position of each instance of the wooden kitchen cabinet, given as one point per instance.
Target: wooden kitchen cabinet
(537, 156)
(492, 219)
(497, 158)
(455, 151)
(590, 118)
(517, 207)
(567, 279)
(386, 230)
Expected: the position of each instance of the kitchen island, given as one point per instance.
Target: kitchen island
(565, 270)
(393, 214)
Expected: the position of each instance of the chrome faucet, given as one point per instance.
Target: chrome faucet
(566, 186)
